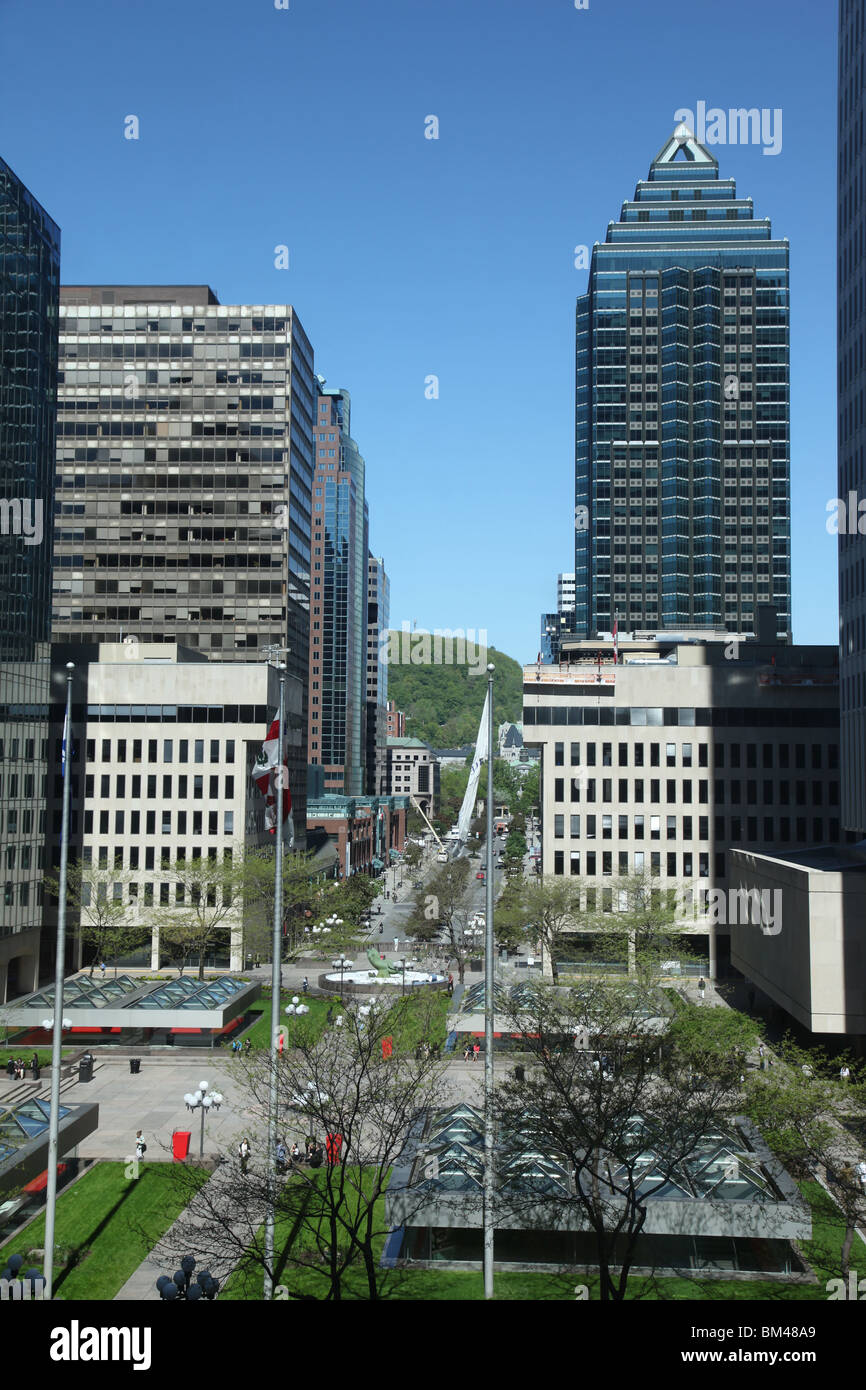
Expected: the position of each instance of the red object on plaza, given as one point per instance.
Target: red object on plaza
(387, 1047)
(333, 1145)
(180, 1144)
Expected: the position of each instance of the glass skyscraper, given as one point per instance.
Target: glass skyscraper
(338, 600)
(682, 458)
(29, 287)
(851, 329)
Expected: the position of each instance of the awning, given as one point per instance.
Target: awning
(394, 853)
(377, 863)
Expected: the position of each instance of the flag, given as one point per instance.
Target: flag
(615, 640)
(65, 742)
(271, 776)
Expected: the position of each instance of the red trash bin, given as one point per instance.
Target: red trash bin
(180, 1144)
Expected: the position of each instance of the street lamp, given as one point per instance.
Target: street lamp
(203, 1099)
(179, 1285)
(341, 965)
(403, 964)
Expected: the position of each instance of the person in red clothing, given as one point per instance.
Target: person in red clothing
(476, 1052)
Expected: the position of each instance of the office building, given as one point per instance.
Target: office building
(556, 626)
(413, 770)
(851, 329)
(165, 742)
(378, 617)
(666, 762)
(29, 288)
(338, 599)
(682, 460)
(184, 465)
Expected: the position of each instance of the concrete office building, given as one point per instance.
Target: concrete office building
(692, 746)
(413, 771)
(184, 465)
(338, 600)
(164, 745)
(378, 617)
(29, 289)
(682, 459)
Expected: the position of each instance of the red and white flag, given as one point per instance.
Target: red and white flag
(615, 640)
(271, 776)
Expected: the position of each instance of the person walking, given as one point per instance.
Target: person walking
(34, 1066)
(244, 1152)
(102, 968)
(140, 1146)
(702, 985)
(305, 985)
(844, 1074)
(10, 1068)
(282, 1155)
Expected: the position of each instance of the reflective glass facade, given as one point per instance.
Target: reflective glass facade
(851, 328)
(338, 620)
(378, 619)
(29, 287)
(682, 460)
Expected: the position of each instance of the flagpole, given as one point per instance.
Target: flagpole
(488, 1011)
(276, 974)
(59, 974)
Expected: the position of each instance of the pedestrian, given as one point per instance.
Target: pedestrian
(844, 1074)
(34, 1065)
(702, 984)
(476, 1052)
(140, 1146)
(305, 985)
(861, 1174)
(248, 1046)
(282, 1155)
(19, 1069)
(244, 1151)
(10, 1068)
(295, 1153)
(102, 968)
(466, 1051)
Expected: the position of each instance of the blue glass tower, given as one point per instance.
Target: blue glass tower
(682, 456)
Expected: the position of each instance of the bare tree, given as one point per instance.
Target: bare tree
(206, 907)
(357, 1090)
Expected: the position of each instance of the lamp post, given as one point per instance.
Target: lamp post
(489, 1194)
(203, 1099)
(403, 964)
(179, 1285)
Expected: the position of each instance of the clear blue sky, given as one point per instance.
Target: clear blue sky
(411, 257)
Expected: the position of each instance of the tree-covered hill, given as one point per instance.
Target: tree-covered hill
(444, 701)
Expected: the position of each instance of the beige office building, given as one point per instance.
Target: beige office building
(687, 747)
(164, 747)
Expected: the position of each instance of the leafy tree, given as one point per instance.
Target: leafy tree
(801, 1108)
(542, 910)
(530, 790)
(98, 900)
(205, 907)
(441, 915)
(301, 890)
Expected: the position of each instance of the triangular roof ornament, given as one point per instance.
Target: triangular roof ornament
(692, 150)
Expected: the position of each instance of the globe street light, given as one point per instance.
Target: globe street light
(180, 1286)
(203, 1099)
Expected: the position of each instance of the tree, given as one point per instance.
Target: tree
(530, 790)
(300, 892)
(412, 855)
(801, 1106)
(205, 909)
(623, 1129)
(441, 915)
(329, 1220)
(98, 899)
(543, 909)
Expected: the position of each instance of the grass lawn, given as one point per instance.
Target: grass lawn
(445, 1285)
(27, 1052)
(106, 1224)
(310, 1026)
(417, 1017)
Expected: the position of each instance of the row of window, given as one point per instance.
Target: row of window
(588, 789)
(641, 716)
(603, 755)
(164, 822)
(115, 751)
(730, 829)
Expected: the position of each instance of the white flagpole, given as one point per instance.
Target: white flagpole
(59, 973)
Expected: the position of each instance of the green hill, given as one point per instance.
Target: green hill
(444, 700)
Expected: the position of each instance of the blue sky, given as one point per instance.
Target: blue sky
(453, 257)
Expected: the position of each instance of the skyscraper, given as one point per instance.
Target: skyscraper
(378, 618)
(852, 426)
(682, 460)
(184, 460)
(29, 286)
(338, 631)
